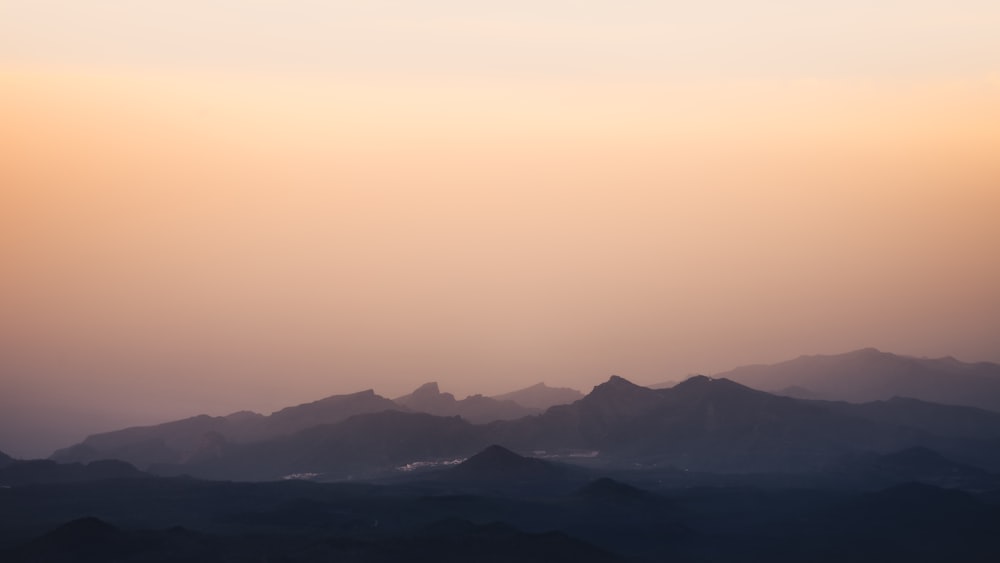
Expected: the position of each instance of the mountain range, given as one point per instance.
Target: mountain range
(871, 375)
(702, 424)
(203, 437)
(708, 469)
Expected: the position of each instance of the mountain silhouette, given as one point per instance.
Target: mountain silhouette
(428, 398)
(701, 424)
(324, 411)
(871, 375)
(541, 396)
(497, 463)
(194, 438)
(5, 460)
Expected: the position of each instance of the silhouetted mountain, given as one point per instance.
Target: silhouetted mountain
(945, 420)
(541, 396)
(361, 445)
(498, 464)
(701, 424)
(870, 375)
(968, 434)
(5, 460)
(325, 411)
(475, 408)
(47, 471)
(197, 438)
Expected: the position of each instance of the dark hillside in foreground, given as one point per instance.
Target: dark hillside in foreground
(603, 520)
(39, 471)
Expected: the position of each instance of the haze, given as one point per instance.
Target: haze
(214, 206)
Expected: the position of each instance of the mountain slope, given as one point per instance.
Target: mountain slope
(870, 375)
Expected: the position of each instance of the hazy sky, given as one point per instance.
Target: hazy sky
(215, 205)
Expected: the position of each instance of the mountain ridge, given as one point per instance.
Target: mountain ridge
(869, 374)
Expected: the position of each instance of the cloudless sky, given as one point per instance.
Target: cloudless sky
(217, 205)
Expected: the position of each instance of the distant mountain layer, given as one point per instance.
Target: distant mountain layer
(205, 437)
(701, 424)
(871, 375)
(428, 398)
(201, 438)
(541, 396)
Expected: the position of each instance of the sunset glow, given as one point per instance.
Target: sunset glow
(209, 206)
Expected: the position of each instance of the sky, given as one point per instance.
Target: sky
(221, 205)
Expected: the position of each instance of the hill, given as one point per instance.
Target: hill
(498, 464)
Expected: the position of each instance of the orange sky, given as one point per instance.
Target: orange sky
(192, 230)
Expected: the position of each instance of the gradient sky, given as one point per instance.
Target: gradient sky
(216, 205)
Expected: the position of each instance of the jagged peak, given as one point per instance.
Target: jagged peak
(616, 382)
(622, 394)
(429, 388)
